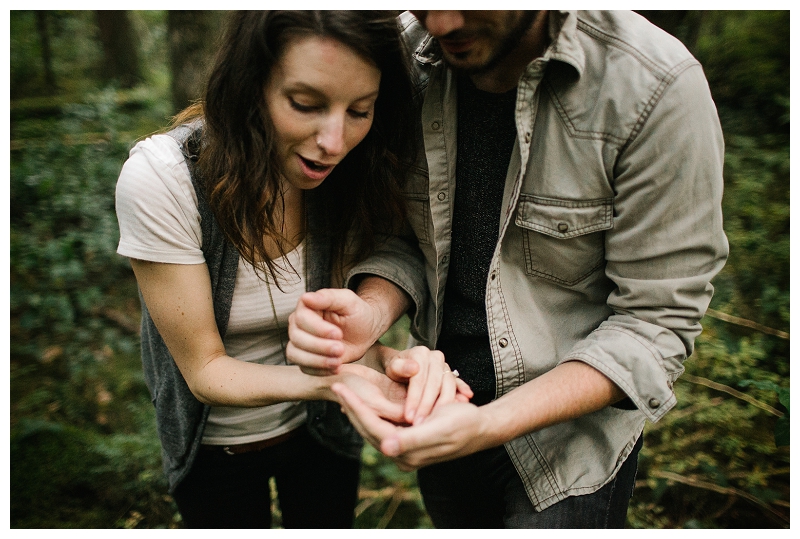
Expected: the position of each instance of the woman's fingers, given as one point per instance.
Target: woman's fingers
(440, 389)
(311, 363)
(371, 427)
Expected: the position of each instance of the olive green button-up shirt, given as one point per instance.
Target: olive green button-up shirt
(610, 232)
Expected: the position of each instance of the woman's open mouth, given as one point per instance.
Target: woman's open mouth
(313, 169)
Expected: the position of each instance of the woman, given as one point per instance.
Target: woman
(285, 174)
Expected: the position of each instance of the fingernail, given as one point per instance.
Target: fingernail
(332, 363)
(410, 415)
(391, 448)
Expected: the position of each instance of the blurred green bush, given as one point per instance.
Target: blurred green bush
(83, 449)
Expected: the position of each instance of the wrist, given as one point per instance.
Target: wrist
(377, 357)
(322, 386)
(492, 427)
(386, 300)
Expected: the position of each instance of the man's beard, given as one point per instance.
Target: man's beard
(508, 44)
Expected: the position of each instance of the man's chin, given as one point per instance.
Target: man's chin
(463, 62)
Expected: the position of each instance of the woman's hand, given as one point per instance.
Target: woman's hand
(330, 328)
(431, 382)
(383, 395)
(335, 326)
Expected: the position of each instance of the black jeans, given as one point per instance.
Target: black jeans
(483, 490)
(316, 487)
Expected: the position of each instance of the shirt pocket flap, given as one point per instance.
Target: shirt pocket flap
(560, 218)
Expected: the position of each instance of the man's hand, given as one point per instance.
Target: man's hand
(570, 390)
(431, 382)
(452, 430)
(331, 327)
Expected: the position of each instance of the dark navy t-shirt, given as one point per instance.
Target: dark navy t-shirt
(486, 136)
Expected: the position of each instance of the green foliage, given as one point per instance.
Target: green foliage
(83, 445)
(83, 448)
(76, 51)
(782, 425)
(718, 460)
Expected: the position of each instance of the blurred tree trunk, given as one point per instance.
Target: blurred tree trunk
(685, 25)
(47, 56)
(120, 48)
(192, 39)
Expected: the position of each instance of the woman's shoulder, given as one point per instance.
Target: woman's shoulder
(157, 205)
(159, 150)
(154, 164)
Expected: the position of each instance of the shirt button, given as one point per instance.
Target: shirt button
(503, 342)
(527, 137)
(435, 126)
(445, 259)
(494, 274)
(563, 227)
(442, 195)
(654, 403)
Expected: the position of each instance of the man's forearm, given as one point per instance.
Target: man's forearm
(570, 390)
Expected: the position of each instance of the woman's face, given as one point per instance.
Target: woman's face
(321, 98)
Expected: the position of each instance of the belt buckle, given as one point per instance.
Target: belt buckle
(227, 450)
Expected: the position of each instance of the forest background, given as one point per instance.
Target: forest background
(85, 85)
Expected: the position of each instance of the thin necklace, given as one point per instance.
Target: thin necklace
(272, 302)
(277, 325)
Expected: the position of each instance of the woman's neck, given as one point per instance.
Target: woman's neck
(291, 222)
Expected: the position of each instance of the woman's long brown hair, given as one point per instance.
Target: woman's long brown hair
(238, 164)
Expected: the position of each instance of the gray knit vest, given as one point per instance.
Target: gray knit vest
(180, 417)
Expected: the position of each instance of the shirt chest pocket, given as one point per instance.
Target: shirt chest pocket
(563, 240)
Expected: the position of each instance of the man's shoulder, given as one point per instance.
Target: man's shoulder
(422, 48)
(413, 31)
(628, 35)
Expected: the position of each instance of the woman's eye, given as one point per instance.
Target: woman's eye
(302, 107)
(359, 113)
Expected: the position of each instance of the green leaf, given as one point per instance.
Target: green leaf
(782, 431)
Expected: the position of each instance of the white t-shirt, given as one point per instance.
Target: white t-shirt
(159, 222)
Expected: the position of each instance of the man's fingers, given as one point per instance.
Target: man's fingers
(417, 443)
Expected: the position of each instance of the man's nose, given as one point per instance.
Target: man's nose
(440, 23)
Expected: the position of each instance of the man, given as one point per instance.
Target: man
(568, 206)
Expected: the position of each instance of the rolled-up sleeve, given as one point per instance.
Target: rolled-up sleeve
(666, 244)
(398, 259)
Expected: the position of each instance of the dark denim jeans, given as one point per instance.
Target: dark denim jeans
(483, 490)
(316, 488)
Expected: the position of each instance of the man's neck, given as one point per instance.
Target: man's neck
(504, 76)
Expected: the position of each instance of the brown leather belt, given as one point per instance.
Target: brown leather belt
(259, 445)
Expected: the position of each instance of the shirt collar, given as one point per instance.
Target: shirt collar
(564, 43)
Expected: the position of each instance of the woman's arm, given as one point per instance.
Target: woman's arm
(178, 297)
